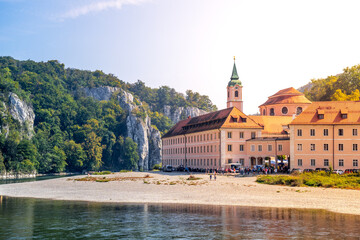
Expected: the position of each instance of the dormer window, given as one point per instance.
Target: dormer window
(320, 113)
(236, 94)
(344, 113)
(233, 119)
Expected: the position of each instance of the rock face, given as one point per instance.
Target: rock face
(100, 93)
(20, 111)
(175, 115)
(139, 130)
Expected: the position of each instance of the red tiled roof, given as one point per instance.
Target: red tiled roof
(332, 113)
(287, 96)
(273, 124)
(210, 121)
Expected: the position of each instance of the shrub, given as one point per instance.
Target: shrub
(102, 173)
(318, 179)
(157, 167)
(193, 178)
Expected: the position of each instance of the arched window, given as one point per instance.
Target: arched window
(298, 110)
(272, 113)
(284, 110)
(236, 94)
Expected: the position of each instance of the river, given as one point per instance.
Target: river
(22, 218)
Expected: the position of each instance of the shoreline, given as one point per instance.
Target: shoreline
(226, 191)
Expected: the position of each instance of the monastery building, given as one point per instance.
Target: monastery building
(290, 130)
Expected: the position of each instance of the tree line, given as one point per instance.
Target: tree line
(73, 132)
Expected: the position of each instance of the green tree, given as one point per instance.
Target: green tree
(75, 156)
(93, 151)
(130, 154)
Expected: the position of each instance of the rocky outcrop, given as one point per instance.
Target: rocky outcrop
(21, 112)
(100, 93)
(140, 130)
(180, 113)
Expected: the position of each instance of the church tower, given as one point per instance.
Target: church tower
(234, 91)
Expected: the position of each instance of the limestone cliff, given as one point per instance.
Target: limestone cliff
(139, 129)
(100, 93)
(19, 110)
(180, 113)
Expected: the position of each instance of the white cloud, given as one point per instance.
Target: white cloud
(98, 7)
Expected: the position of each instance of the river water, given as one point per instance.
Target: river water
(22, 218)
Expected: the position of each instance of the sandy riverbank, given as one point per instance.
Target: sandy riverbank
(226, 190)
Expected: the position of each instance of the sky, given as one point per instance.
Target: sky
(189, 44)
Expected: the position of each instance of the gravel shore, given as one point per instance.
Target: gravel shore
(159, 187)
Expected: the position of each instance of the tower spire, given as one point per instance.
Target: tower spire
(234, 75)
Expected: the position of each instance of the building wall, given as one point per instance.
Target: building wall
(311, 151)
(292, 109)
(206, 150)
(232, 100)
(238, 137)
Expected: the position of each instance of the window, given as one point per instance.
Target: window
(260, 148)
(229, 148)
(241, 148)
(312, 132)
(272, 112)
(236, 94)
(229, 134)
(355, 147)
(299, 162)
(298, 110)
(230, 160)
(299, 147)
(355, 163)
(326, 132)
(341, 162)
(344, 115)
(264, 112)
(299, 132)
(321, 116)
(354, 132)
(312, 147)
(269, 148)
(326, 162)
(241, 134)
(341, 147)
(253, 135)
(228, 94)
(312, 162)
(341, 132)
(280, 147)
(326, 147)
(242, 161)
(253, 148)
(284, 110)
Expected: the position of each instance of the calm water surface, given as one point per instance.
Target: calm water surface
(45, 219)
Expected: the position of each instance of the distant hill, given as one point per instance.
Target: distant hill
(53, 126)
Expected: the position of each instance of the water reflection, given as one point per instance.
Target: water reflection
(30, 218)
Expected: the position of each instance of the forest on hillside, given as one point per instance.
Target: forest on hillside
(73, 132)
(341, 87)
